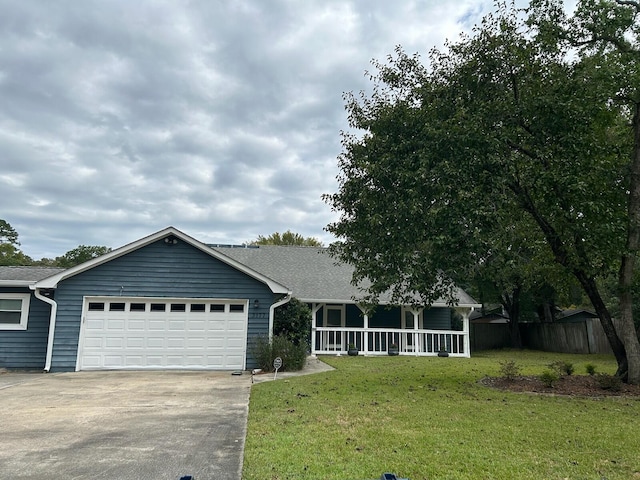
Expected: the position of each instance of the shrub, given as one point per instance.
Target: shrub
(293, 356)
(562, 368)
(591, 368)
(509, 370)
(549, 378)
(293, 320)
(609, 382)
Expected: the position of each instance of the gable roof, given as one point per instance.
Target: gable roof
(168, 233)
(311, 273)
(25, 276)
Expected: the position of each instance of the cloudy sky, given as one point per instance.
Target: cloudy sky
(221, 118)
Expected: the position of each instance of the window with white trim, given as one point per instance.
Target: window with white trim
(14, 311)
(334, 316)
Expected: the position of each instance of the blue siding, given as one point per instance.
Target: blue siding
(156, 270)
(26, 348)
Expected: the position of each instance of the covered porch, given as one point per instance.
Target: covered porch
(418, 332)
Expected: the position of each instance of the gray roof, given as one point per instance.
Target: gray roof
(309, 272)
(25, 275)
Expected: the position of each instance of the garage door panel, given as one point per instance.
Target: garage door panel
(193, 335)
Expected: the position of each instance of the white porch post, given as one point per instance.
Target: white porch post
(365, 334)
(416, 326)
(465, 312)
(314, 330)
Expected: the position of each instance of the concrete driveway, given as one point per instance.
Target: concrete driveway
(123, 425)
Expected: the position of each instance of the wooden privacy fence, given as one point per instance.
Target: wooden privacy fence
(585, 336)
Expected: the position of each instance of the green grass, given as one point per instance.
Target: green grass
(429, 418)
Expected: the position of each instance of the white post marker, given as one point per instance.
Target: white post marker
(277, 364)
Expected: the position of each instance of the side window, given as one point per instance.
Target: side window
(14, 311)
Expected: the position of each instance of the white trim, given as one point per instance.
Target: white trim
(52, 281)
(16, 283)
(358, 302)
(52, 327)
(272, 309)
(25, 299)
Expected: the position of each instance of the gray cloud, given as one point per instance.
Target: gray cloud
(220, 118)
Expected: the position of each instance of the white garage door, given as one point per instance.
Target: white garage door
(159, 333)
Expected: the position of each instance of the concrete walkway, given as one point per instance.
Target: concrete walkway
(313, 365)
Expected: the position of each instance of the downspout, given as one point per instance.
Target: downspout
(272, 309)
(52, 327)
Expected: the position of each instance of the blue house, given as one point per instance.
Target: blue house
(168, 301)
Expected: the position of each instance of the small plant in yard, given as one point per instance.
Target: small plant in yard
(293, 356)
(609, 382)
(509, 370)
(562, 368)
(549, 378)
(591, 369)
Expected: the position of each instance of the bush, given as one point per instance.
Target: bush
(549, 378)
(293, 321)
(293, 356)
(609, 382)
(562, 368)
(509, 370)
(591, 368)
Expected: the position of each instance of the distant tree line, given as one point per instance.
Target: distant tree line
(11, 255)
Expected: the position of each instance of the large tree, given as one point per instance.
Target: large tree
(80, 254)
(286, 238)
(515, 114)
(10, 254)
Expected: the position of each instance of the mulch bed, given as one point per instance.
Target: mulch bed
(573, 385)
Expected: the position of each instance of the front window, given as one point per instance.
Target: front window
(14, 311)
(334, 316)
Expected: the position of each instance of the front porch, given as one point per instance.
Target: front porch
(376, 341)
(419, 332)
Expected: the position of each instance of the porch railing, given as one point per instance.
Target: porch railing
(376, 341)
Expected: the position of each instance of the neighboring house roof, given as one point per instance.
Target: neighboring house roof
(577, 313)
(25, 276)
(168, 234)
(489, 317)
(311, 273)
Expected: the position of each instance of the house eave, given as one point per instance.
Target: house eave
(17, 283)
(383, 302)
(54, 280)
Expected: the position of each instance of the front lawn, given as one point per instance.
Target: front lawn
(429, 418)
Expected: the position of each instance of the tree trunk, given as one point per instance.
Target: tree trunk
(586, 281)
(591, 289)
(512, 306)
(628, 332)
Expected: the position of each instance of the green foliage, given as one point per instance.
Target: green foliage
(562, 368)
(590, 369)
(80, 254)
(293, 321)
(287, 238)
(293, 356)
(10, 254)
(8, 233)
(609, 382)
(511, 152)
(549, 378)
(509, 369)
